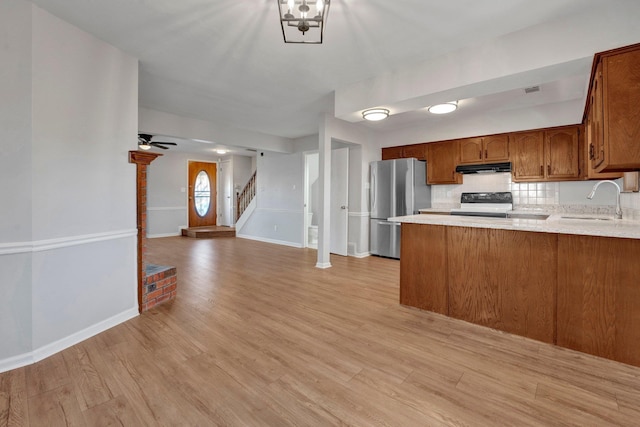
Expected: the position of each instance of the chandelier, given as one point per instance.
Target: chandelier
(303, 21)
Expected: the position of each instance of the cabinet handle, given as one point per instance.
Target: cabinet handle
(591, 152)
(486, 155)
(548, 170)
(541, 170)
(480, 154)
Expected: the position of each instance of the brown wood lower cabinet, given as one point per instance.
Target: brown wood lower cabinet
(599, 296)
(424, 288)
(580, 292)
(503, 279)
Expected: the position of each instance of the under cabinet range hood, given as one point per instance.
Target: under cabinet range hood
(486, 168)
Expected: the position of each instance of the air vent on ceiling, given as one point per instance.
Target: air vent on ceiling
(532, 89)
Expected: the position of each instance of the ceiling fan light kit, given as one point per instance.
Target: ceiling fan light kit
(303, 21)
(375, 114)
(145, 143)
(444, 108)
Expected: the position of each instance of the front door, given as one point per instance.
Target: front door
(202, 194)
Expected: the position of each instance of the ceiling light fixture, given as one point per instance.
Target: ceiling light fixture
(375, 114)
(299, 17)
(220, 151)
(445, 108)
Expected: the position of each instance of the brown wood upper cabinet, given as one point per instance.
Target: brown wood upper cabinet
(443, 157)
(389, 153)
(613, 111)
(486, 149)
(550, 155)
(418, 151)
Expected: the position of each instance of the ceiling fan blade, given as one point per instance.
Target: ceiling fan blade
(164, 143)
(144, 136)
(153, 144)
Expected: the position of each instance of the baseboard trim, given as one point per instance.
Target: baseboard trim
(361, 255)
(323, 265)
(266, 240)
(66, 342)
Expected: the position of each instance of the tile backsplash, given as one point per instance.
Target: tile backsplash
(552, 194)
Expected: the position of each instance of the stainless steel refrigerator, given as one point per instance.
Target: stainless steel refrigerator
(398, 187)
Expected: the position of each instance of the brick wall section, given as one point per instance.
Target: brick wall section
(159, 287)
(165, 287)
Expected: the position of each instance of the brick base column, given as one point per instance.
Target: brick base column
(143, 159)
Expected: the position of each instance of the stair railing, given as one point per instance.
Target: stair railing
(244, 197)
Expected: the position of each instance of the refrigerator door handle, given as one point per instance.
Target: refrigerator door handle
(373, 186)
(389, 223)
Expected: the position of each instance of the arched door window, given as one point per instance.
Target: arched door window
(202, 193)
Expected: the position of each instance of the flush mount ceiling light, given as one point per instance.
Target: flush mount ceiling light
(220, 151)
(375, 114)
(303, 21)
(445, 108)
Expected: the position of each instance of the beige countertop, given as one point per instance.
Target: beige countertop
(605, 226)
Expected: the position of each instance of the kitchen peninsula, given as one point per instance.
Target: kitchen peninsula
(573, 282)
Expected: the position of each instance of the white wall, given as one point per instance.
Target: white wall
(161, 123)
(15, 179)
(68, 261)
(278, 217)
(167, 186)
(167, 192)
(242, 171)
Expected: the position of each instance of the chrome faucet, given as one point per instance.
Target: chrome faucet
(618, 208)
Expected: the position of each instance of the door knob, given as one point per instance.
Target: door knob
(343, 207)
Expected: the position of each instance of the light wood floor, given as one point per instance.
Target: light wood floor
(259, 336)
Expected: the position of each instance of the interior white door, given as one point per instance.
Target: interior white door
(226, 182)
(339, 201)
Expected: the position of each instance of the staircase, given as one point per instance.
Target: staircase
(245, 197)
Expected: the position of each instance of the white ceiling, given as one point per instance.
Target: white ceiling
(225, 61)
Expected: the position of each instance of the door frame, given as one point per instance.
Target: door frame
(226, 163)
(307, 197)
(345, 207)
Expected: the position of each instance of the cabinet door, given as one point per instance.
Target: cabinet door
(527, 155)
(418, 151)
(443, 159)
(503, 279)
(496, 148)
(421, 287)
(597, 126)
(599, 296)
(562, 154)
(621, 105)
(389, 153)
(471, 151)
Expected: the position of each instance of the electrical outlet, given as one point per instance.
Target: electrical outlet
(275, 228)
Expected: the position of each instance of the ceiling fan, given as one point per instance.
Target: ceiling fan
(145, 143)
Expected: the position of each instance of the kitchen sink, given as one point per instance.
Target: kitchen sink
(527, 216)
(588, 218)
